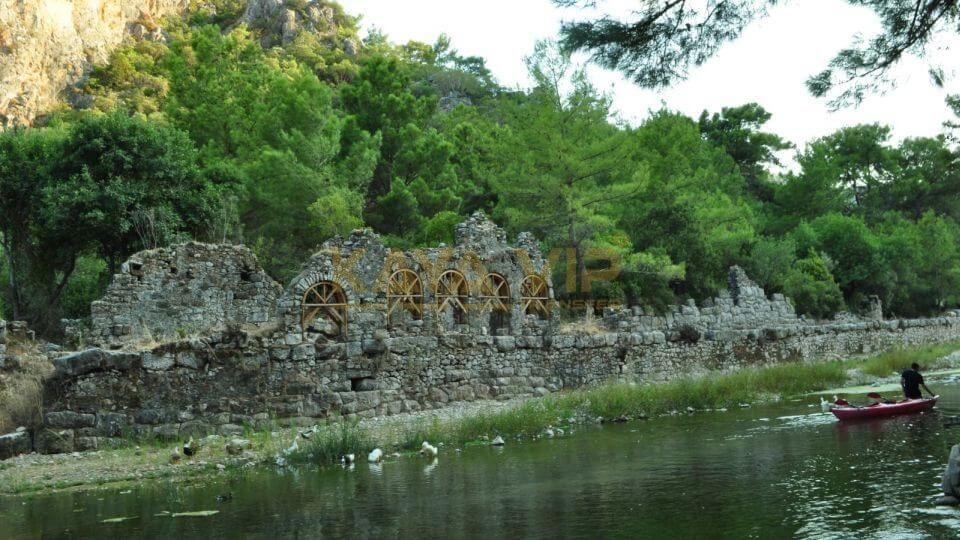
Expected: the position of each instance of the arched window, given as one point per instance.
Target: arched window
(495, 293)
(405, 292)
(535, 296)
(452, 292)
(324, 310)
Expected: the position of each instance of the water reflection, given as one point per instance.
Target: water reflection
(783, 471)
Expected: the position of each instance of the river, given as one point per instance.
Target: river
(780, 471)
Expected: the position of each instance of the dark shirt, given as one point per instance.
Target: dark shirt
(911, 384)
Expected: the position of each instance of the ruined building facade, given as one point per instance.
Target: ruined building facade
(195, 338)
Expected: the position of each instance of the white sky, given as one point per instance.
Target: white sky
(768, 64)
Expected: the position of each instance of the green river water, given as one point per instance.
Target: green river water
(780, 471)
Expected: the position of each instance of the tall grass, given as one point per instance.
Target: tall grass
(21, 388)
(895, 361)
(529, 418)
(710, 391)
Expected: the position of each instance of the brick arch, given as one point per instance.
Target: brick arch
(535, 296)
(405, 292)
(325, 301)
(451, 292)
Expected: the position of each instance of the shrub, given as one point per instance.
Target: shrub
(813, 289)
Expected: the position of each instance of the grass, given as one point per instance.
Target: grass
(21, 389)
(522, 420)
(610, 401)
(895, 361)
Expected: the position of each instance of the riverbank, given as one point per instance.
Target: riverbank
(453, 427)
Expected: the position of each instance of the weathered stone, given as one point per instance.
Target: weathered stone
(50, 441)
(183, 289)
(158, 361)
(235, 447)
(69, 419)
(14, 444)
(79, 363)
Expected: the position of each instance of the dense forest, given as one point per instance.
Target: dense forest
(227, 132)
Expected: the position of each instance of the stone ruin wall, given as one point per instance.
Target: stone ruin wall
(188, 289)
(389, 358)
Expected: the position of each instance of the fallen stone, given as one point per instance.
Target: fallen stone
(14, 444)
(235, 447)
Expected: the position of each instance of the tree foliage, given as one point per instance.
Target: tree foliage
(665, 38)
(210, 135)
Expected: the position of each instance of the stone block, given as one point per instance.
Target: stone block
(158, 362)
(505, 343)
(353, 349)
(167, 432)
(188, 360)
(85, 444)
(374, 346)
(79, 363)
(148, 416)
(14, 444)
(111, 424)
(122, 360)
(68, 419)
(303, 352)
(51, 441)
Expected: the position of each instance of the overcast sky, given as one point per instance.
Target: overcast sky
(768, 64)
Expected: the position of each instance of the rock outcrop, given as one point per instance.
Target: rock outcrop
(951, 479)
(49, 46)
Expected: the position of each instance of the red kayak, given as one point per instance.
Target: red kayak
(877, 410)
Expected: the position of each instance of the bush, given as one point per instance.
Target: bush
(813, 289)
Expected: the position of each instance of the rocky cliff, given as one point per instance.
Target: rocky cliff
(48, 46)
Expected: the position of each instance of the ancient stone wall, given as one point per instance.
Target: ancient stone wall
(182, 290)
(225, 382)
(364, 331)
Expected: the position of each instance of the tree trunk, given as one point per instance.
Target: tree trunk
(574, 244)
(14, 286)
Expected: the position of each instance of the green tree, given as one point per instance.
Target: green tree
(927, 177)
(122, 184)
(25, 157)
(859, 265)
(108, 186)
(738, 131)
(565, 163)
(380, 101)
(692, 203)
(859, 158)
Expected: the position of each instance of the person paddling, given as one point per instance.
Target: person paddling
(911, 380)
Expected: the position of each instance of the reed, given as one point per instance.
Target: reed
(606, 402)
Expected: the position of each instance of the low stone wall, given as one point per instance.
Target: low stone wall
(222, 383)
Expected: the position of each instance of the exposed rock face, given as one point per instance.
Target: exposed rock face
(48, 46)
(281, 23)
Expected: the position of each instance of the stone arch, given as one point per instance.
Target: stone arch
(326, 301)
(451, 293)
(495, 295)
(535, 296)
(405, 293)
